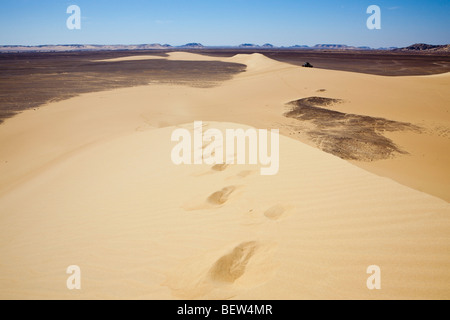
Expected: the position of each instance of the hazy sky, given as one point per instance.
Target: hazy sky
(225, 22)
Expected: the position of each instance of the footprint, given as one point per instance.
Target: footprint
(232, 266)
(275, 212)
(219, 276)
(213, 201)
(220, 167)
(222, 196)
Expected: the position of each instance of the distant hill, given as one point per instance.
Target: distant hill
(256, 46)
(248, 45)
(299, 47)
(422, 47)
(193, 45)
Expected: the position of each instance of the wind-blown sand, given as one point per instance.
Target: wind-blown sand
(89, 181)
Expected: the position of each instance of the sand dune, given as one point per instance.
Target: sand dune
(256, 62)
(89, 181)
(118, 210)
(132, 58)
(259, 97)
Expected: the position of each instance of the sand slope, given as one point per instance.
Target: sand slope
(141, 227)
(257, 97)
(89, 181)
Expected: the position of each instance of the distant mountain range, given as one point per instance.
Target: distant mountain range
(317, 47)
(82, 47)
(422, 47)
(194, 45)
(250, 46)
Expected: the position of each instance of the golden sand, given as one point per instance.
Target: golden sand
(89, 182)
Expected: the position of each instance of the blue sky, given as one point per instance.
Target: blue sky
(225, 22)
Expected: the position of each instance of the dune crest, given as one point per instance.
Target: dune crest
(255, 62)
